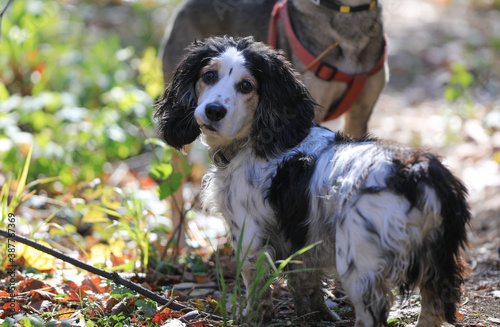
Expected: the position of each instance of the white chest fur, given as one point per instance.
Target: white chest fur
(237, 194)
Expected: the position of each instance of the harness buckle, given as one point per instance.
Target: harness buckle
(324, 64)
(345, 9)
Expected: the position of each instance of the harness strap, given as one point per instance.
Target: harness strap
(323, 70)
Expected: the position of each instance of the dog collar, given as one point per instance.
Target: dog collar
(222, 157)
(346, 9)
(321, 69)
(219, 160)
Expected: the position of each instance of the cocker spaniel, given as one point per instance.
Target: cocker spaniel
(388, 216)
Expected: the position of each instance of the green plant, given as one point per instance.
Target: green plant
(266, 272)
(79, 100)
(9, 203)
(460, 81)
(134, 223)
(163, 170)
(458, 90)
(9, 206)
(169, 175)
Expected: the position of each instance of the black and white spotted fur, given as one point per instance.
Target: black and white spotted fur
(388, 216)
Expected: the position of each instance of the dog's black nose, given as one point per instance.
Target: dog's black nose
(215, 111)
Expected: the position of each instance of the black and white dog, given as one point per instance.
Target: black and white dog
(388, 216)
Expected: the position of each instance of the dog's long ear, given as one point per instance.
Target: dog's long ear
(175, 109)
(285, 112)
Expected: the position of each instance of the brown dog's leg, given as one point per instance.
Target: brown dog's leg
(356, 118)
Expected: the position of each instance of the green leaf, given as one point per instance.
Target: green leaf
(451, 93)
(461, 76)
(168, 187)
(31, 321)
(161, 172)
(4, 94)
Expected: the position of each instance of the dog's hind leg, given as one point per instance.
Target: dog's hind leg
(440, 293)
(432, 312)
(370, 296)
(361, 265)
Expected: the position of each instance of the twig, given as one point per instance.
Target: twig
(112, 276)
(319, 57)
(1, 15)
(5, 9)
(196, 287)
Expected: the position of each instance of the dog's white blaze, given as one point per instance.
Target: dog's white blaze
(231, 70)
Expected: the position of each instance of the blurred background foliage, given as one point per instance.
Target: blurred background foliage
(76, 87)
(78, 81)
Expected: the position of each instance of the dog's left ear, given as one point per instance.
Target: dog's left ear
(285, 113)
(175, 109)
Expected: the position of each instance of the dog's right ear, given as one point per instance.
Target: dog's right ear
(175, 109)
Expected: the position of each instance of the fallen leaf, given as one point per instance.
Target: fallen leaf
(459, 316)
(30, 284)
(110, 303)
(97, 284)
(201, 279)
(10, 308)
(37, 259)
(38, 295)
(99, 254)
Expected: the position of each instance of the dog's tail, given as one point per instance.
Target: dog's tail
(449, 266)
(441, 271)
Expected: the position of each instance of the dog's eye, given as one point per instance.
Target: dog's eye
(209, 76)
(245, 86)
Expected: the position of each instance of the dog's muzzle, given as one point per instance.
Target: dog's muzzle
(215, 111)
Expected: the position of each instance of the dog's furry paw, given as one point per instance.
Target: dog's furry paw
(263, 312)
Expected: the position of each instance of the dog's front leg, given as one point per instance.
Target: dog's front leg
(259, 307)
(356, 118)
(308, 293)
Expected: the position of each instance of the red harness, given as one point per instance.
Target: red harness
(355, 83)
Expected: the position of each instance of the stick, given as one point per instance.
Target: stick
(319, 57)
(2, 13)
(112, 276)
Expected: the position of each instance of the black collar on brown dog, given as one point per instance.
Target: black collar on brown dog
(346, 9)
